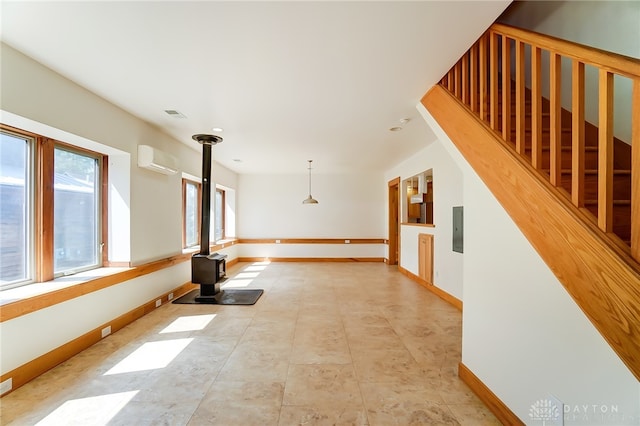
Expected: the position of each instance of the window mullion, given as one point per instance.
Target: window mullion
(43, 200)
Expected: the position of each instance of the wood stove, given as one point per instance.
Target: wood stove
(207, 269)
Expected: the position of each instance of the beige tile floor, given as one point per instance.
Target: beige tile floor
(327, 344)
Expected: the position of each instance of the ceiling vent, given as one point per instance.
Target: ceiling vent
(155, 160)
(175, 114)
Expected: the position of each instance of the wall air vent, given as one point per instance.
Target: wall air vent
(155, 160)
(175, 114)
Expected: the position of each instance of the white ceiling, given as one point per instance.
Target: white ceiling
(288, 81)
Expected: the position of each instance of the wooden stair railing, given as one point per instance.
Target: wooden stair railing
(587, 162)
(571, 187)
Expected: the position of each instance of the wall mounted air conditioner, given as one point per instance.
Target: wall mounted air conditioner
(153, 159)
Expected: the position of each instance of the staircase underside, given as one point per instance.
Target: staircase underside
(602, 278)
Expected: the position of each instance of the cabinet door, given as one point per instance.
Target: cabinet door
(425, 257)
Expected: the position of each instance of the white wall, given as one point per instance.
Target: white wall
(447, 193)
(608, 25)
(33, 91)
(33, 96)
(350, 206)
(56, 325)
(523, 335)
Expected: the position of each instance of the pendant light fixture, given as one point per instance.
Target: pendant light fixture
(310, 199)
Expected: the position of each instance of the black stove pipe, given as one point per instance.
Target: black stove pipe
(207, 269)
(205, 215)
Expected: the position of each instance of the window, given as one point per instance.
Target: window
(219, 223)
(15, 209)
(76, 216)
(191, 198)
(51, 209)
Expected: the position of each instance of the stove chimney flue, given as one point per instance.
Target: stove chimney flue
(206, 268)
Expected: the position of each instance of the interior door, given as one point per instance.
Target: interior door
(394, 220)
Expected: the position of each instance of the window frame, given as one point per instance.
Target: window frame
(31, 142)
(223, 204)
(42, 175)
(198, 185)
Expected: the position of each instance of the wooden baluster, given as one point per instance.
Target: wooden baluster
(482, 71)
(493, 80)
(635, 171)
(473, 75)
(506, 88)
(536, 108)
(465, 78)
(577, 132)
(456, 80)
(555, 126)
(520, 110)
(450, 80)
(605, 151)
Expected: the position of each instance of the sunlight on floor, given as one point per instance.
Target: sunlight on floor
(190, 323)
(150, 356)
(254, 267)
(235, 283)
(244, 278)
(93, 410)
(243, 275)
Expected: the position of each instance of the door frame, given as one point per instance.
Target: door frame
(394, 222)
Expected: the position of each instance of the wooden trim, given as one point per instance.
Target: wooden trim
(465, 78)
(44, 223)
(536, 108)
(493, 80)
(612, 62)
(605, 152)
(600, 276)
(219, 245)
(393, 220)
(520, 98)
(456, 79)
(424, 225)
(117, 265)
(311, 259)
(635, 171)
(224, 218)
(44, 363)
(493, 403)
(506, 89)
(555, 125)
(311, 240)
(473, 76)
(577, 133)
(450, 299)
(482, 76)
(198, 185)
(184, 213)
(34, 303)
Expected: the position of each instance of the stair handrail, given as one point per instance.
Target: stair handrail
(610, 61)
(475, 80)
